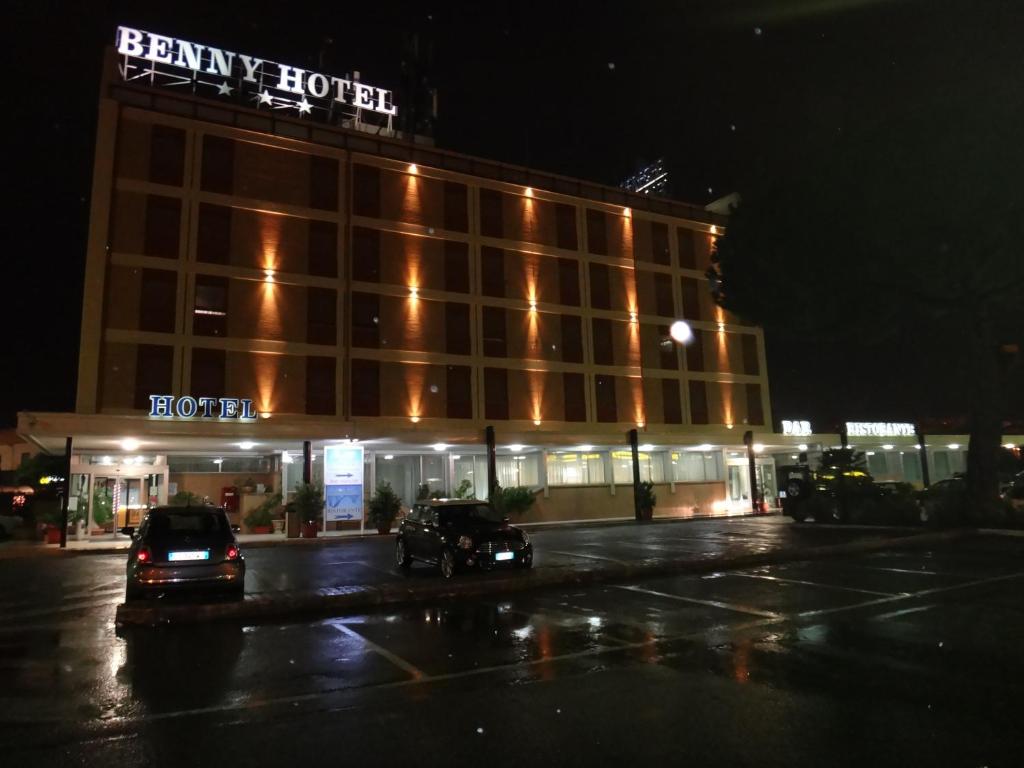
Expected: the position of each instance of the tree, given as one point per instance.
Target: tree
(902, 233)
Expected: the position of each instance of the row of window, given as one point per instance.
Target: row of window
(297, 384)
(247, 169)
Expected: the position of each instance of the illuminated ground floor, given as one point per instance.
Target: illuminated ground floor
(122, 465)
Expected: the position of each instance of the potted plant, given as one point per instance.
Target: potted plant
(513, 501)
(384, 508)
(646, 500)
(260, 519)
(308, 503)
(103, 510)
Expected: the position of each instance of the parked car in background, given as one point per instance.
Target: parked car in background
(184, 548)
(455, 534)
(845, 494)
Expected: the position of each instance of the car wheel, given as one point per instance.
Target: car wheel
(828, 512)
(447, 563)
(798, 515)
(402, 559)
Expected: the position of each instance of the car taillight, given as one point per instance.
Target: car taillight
(143, 555)
(232, 553)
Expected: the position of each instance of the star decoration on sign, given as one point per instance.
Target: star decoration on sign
(303, 106)
(266, 98)
(224, 89)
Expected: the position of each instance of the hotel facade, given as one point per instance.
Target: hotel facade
(257, 278)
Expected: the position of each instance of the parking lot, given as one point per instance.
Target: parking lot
(893, 657)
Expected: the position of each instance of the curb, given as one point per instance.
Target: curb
(337, 601)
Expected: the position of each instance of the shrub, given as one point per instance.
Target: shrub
(647, 499)
(464, 491)
(308, 502)
(185, 499)
(512, 501)
(102, 507)
(384, 507)
(263, 515)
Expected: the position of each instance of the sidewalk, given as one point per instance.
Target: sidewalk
(367, 578)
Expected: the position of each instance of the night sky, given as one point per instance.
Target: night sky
(585, 89)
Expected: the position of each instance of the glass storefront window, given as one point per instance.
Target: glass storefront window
(435, 472)
(471, 469)
(696, 467)
(575, 469)
(402, 473)
(652, 467)
(911, 467)
(521, 469)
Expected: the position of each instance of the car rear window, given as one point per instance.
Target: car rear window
(477, 513)
(187, 522)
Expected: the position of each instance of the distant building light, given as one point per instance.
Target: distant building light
(440, 446)
(129, 444)
(887, 447)
(954, 446)
(681, 332)
(802, 446)
(389, 457)
(413, 169)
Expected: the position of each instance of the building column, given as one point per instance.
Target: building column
(635, 451)
(492, 464)
(748, 440)
(307, 462)
(66, 496)
(925, 476)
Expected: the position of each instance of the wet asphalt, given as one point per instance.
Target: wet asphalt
(892, 658)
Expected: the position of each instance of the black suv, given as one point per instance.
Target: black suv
(455, 533)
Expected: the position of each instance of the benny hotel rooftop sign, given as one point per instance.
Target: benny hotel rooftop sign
(169, 62)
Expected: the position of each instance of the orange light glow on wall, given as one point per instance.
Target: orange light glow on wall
(413, 169)
(528, 191)
(627, 212)
(412, 203)
(269, 320)
(266, 372)
(535, 382)
(415, 378)
(639, 411)
(529, 218)
(270, 241)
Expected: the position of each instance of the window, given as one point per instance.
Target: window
(673, 410)
(456, 266)
(365, 320)
(364, 387)
(652, 467)
(456, 211)
(755, 410)
(210, 314)
(491, 219)
(495, 393)
(911, 467)
(691, 299)
(659, 243)
(456, 328)
(696, 467)
(664, 303)
(323, 183)
(668, 356)
(157, 300)
(575, 469)
(569, 282)
(320, 385)
(323, 248)
(162, 232)
(213, 238)
(166, 155)
(495, 339)
(597, 232)
(698, 391)
(607, 410)
(600, 287)
(153, 372)
(365, 254)
(321, 316)
(750, 364)
(520, 469)
(604, 351)
(492, 271)
(366, 191)
(459, 392)
(218, 173)
(572, 338)
(565, 226)
(208, 372)
(687, 248)
(695, 352)
(574, 396)
(877, 465)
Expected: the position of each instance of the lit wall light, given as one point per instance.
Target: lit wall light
(721, 327)
(646, 447)
(528, 192)
(533, 305)
(954, 446)
(414, 419)
(632, 317)
(129, 444)
(440, 446)
(802, 446)
(1009, 446)
(414, 292)
(536, 422)
(268, 275)
(887, 447)
(218, 462)
(758, 447)
(247, 445)
(264, 414)
(714, 230)
(728, 426)
(585, 448)
(641, 424)
(286, 458)
(515, 447)
(413, 169)
(870, 453)
(389, 457)
(626, 212)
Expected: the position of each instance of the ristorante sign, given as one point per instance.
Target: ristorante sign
(170, 62)
(879, 429)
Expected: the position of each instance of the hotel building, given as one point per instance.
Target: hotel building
(364, 289)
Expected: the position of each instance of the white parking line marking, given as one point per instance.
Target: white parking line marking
(766, 577)
(360, 562)
(900, 570)
(588, 557)
(710, 603)
(901, 612)
(912, 595)
(398, 661)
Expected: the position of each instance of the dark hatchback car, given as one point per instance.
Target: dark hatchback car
(180, 548)
(455, 534)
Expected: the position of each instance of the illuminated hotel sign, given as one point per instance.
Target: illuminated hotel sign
(187, 407)
(796, 428)
(203, 69)
(879, 429)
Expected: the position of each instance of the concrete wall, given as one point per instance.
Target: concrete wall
(597, 502)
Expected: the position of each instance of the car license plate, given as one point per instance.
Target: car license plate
(194, 554)
(504, 555)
